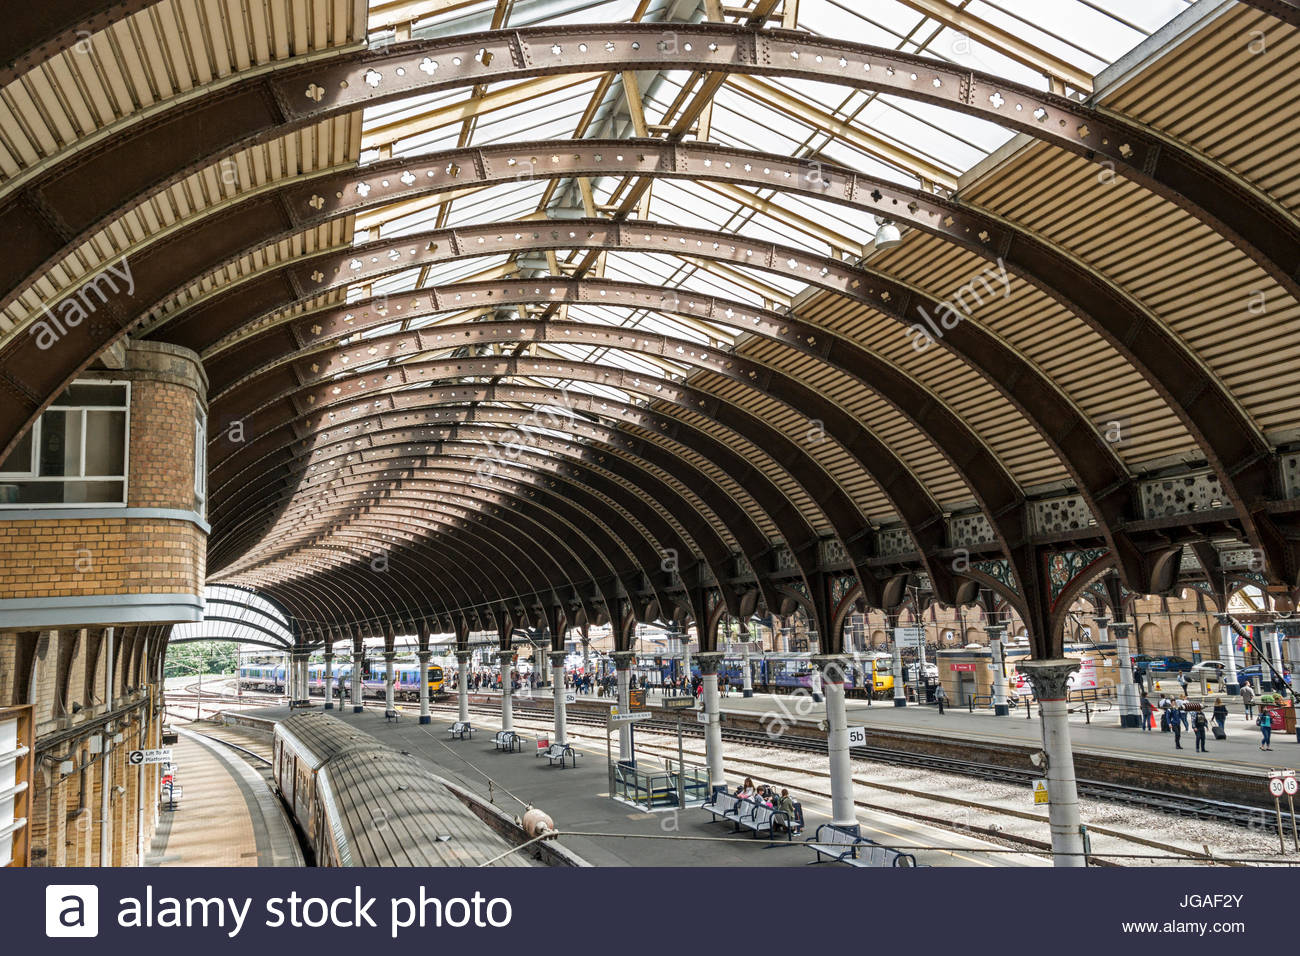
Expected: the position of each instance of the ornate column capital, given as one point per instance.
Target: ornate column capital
(506, 657)
(996, 631)
(423, 656)
(1102, 621)
(390, 656)
(1050, 678)
(558, 658)
(624, 660)
(832, 666)
(709, 662)
(1121, 629)
(464, 655)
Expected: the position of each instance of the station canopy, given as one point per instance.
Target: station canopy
(669, 309)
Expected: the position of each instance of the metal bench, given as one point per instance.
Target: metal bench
(391, 715)
(461, 729)
(561, 752)
(842, 845)
(722, 805)
(506, 740)
(758, 817)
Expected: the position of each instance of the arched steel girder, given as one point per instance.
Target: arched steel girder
(993, 488)
(36, 32)
(310, 600)
(909, 498)
(324, 599)
(467, 593)
(1062, 425)
(619, 452)
(234, 640)
(365, 591)
(613, 477)
(492, 546)
(574, 470)
(598, 534)
(148, 152)
(847, 522)
(1288, 11)
(221, 619)
(1228, 436)
(615, 534)
(766, 494)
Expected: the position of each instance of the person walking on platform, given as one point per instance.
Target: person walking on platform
(1248, 699)
(1199, 723)
(941, 697)
(1265, 722)
(1165, 713)
(1182, 682)
(1148, 713)
(1220, 718)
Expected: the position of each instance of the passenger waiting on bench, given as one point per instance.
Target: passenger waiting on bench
(746, 791)
(785, 804)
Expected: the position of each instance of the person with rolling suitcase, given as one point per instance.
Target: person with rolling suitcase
(1220, 718)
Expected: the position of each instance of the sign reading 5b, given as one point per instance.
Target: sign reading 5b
(857, 736)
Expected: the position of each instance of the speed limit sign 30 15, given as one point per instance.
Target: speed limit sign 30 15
(1276, 787)
(1290, 786)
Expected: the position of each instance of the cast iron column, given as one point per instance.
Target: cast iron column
(997, 652)
(388, 681)
(424, 657)
(1229, 640)
(462, 684)
(837, 740)
(505, 663)
(623, 661)
(557, 681)
(709, 664)
(1051, 685)
(358, 654)
(329, 679)
(1130, 702)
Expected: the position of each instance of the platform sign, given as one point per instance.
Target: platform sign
(679, 703)
(617, 719)
(702, 716)
(857, 736)
(137, 757)
(636, 699)
(909, 636)
(1040, 792)
(570, 697)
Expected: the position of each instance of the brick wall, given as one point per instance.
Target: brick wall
(57, 557)
(61, 558)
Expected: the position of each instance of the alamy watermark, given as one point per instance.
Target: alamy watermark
(72, 310)
(952, 311)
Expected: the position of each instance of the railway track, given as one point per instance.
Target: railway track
(1198, 808)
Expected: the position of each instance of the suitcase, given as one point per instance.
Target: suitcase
(1219, 733)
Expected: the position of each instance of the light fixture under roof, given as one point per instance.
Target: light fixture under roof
(887, 235)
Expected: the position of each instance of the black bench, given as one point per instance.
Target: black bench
(391, 715)
(561, 752)
(841, 845)
(461, 729)
(506, 740)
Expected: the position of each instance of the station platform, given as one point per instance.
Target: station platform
(227, 814)
(606, 832)
(1096, 732)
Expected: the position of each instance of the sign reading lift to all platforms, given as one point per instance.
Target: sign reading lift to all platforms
(137, 757)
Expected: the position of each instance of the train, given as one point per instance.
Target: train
(406, 677)
(778, 673)
(357, 802)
